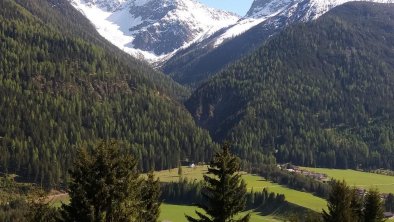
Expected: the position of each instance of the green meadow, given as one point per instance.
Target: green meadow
(176, 213)
(384, 183)
(254, 182)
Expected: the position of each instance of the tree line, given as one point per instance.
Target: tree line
(347, 205)
(185, 192)
(292, 180)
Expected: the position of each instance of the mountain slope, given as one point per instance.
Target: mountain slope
(153, 29)
(264, 19)
(318, 94)
(63, 87)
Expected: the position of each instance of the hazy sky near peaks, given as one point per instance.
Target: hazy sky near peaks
(238, 6)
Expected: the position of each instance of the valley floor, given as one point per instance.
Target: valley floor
(364, 180)
(255, 183)
(176, 213)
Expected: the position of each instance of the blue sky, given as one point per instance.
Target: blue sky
(238, 6)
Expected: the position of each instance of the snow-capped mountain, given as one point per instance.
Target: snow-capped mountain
(293, 10)
(153, 29)
(313, 9)
(264, 19)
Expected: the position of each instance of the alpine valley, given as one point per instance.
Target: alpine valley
(258, 117)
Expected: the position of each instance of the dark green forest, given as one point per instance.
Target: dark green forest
(318, 94)
(62, 86)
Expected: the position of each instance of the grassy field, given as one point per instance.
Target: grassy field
(256, 183)
(303, 199)
(384, 183)
(176, 213)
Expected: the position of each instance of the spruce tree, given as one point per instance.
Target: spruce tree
(356, 205)
(339, 204)
(373, 207)
(150, 196)
(104, 186)
(224, 190)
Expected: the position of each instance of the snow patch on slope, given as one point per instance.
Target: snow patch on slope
(241, 27)
(263, 10)
(320, 7)
(315, 8)
(113, 27)
(249, 22)
(140, 26)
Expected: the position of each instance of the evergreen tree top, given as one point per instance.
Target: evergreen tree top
(224, 191)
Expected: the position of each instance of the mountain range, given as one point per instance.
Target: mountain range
(153, 30)
(189, 41)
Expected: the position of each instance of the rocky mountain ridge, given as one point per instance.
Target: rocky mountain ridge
(265, 18)
(153, 29)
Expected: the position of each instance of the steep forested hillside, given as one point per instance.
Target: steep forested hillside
(62, 86)
(318, 94)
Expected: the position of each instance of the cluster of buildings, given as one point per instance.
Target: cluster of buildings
(295, 169)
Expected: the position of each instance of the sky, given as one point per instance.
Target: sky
(238, 6)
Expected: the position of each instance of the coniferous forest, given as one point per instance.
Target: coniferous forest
(318, 94)
(79, 115)
(62, 87)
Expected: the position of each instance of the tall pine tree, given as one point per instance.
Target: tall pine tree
(356, 205)
(373, 207)
(346, 205)
(339, 204)
(150, 195)
(105, 186)
(224, 190)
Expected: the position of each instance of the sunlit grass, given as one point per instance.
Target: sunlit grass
(254, 182)
(384, 183)
(176, 213)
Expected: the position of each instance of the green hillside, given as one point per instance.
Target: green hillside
(62, 86)
(318, 94)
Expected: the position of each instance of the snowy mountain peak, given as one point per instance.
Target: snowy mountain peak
(276, 14)
(311, 9)
(153, 29)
